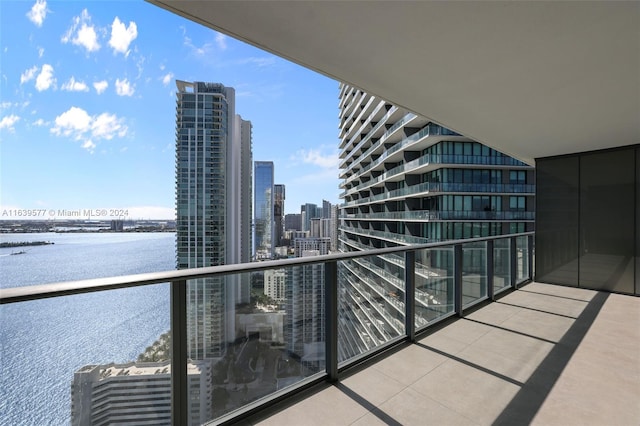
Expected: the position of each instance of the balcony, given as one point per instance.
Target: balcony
(539, 353)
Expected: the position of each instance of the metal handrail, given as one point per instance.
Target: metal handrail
(178, 309)
(68, 288)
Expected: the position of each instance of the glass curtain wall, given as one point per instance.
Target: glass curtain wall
(587, 220)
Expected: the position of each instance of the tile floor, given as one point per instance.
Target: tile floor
(544, 354)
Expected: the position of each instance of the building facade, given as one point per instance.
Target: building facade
(293, 222)
(274, 284)
(212, 208)
(137, 393)
(304, 326)
(407, 180)
(309, 211)
(278, 213)
(263, 213)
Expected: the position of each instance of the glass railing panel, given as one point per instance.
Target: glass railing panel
(371, 309)
(474, 272)
(46, 344)
(265, 331)
(434, 285)
(59, 354)
(522, 258)
(501, 264)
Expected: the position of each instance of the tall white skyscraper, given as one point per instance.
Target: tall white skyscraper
(213, 205)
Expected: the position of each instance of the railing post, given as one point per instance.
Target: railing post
(457, 278)
(490, 271)
(513, 254)
(410, 295)
(331, 319)
(530, 255)
(179, 387)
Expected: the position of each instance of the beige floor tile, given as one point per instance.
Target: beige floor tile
(372, 385)
(327, 407)
(411, 408)
(409, 364)
(468, 391)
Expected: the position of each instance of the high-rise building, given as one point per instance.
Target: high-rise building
(263, 217)
(407, 180)
(304, 326)
(274, 284)
(137, 393)
(308, 211)
(326, 209)
(213, 208)
(278, 212)
(293, 222)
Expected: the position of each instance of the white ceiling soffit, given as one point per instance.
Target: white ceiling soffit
(531, 79)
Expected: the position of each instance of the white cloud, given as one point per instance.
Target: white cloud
(106, 126)
(75, 121)
(28, 74)
(38, 12)
(40, 52)
(82, 33)
(221, 41)
(8, 104)
(75, 86)
(206, 50)
(40, 122)
(315, 157)
(167, 79)
(45, 79)
(259, 62)
(8, 121)
(122, 36)
(79, 125)
(100, 86)
(124, 88)
(89, 145)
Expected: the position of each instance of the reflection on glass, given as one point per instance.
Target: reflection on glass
(434, 285)
(370, 303)
(474, 272)
(275, 340)
(522, 258)
(501, 264)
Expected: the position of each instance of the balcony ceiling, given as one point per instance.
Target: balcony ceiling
(531, 79)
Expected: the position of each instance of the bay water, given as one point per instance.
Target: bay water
(43, 342)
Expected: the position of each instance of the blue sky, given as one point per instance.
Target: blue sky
(87, 107)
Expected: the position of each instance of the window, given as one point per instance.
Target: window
(517, 203)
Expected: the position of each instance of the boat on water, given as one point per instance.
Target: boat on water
(18, 252)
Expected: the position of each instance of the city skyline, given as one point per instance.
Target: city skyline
(88, 98)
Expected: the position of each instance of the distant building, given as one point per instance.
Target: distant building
(320, 245)
(304, 326)
(293, 222)
(137, 393)
(117, 225)
(308, 211)
(278, 213)
(213, 205)
(274, 284)
(326, 209)
(263, 212)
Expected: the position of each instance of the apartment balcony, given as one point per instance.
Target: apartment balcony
(465, 338)
(428, 215)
